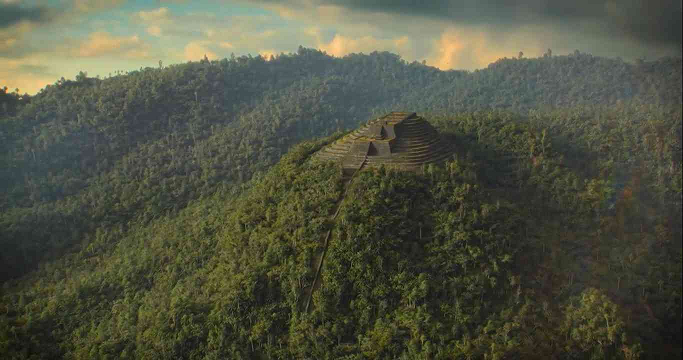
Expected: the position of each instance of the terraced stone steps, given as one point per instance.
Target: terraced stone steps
(415, 144)
(407, 144)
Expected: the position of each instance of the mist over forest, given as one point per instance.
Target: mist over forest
(177, 212)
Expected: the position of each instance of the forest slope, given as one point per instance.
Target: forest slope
(497, 253)
(127, 220)
(99, 153)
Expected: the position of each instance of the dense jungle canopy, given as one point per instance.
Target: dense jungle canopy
(175, 212)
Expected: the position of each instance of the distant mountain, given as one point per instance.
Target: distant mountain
(141, 215)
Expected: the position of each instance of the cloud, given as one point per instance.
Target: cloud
(27, 74)
(102, 43)
(37, 69)
(266, 54)
(627, 28)
(11, 43)
(159, 14)
(468, 48)
(267, 34)
(240, 32)
(155, 20)
(11, 14)
(448, 48)
(342, 45)
(26, 83)
(137, 53)
(7, 43)
(195, 50)
(86, 6)
(320, 14)
(645, 21)
(402, 41)
(312, 31)
(154, 30)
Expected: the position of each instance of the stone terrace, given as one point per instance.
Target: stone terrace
(399, 139)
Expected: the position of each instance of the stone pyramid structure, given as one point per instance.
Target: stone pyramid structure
(399, 139)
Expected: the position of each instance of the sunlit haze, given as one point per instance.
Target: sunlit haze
(41, 41)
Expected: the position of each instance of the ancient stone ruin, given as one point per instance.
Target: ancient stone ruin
(399, 139)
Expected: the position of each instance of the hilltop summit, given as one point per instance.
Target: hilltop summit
(402, 139)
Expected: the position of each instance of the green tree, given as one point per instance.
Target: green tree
(594, 326)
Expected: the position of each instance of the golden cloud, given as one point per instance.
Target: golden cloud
(12, 76)
(402, 42)
(471, 48)
(266, 54)
(102, 43)
(195, 50)
(342, 45)
(448, 48)
(26, 83)
(154, 30)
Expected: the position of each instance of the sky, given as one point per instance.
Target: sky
(44, 40)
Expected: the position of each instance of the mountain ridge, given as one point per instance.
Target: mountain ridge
(128, 205)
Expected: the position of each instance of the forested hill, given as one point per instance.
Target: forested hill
(117, 193)
(506, 251)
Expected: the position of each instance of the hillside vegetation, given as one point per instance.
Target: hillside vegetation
(141, 215)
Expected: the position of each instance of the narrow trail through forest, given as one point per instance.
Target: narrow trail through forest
(320, 258)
